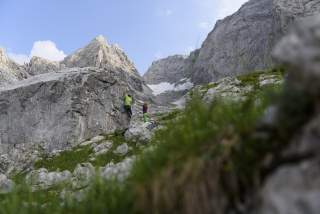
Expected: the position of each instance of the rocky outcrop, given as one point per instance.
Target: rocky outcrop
(59, 110)
(294, 187)
(243, 42)
(100, 54)
(38, 65)
(10, 71)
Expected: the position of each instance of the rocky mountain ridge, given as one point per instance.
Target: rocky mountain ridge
(98, 53)
(239, 44)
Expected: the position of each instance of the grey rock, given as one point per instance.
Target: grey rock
(102, 148)
(174, 70)
(239, 44)
(119, 171)
(138, 132)
(10, 71)
(98, 53)
(300, 51)
(65, 108)
(6, 185)
(97, 139)
(171, 69)
(38, 65)
(83, 175)
(243, 42)
(227, 88)
(42, 179)
(122, 149)
(293, 190)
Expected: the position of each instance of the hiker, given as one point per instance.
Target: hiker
(145, 113)
(128, 104)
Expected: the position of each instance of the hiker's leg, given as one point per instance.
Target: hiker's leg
(130, 111)
(146, 117)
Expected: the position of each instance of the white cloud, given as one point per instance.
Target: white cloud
(47, 50)
(227, 7)
(44, 49)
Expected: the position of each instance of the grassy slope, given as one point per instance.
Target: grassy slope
(206, 155)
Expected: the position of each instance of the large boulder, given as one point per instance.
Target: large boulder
(6, 185)
(295, 187)
(59, 110)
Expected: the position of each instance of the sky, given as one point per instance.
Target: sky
(146, 30)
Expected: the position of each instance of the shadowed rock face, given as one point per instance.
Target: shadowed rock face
(243, 42)
(61, 109)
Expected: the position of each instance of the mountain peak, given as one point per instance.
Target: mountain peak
(100, 39)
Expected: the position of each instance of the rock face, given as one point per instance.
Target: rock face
(9, 70)
(100, 54)
(170, 70)
(58, 110)
(169, 78)
(244, 41)
(295, 188)
(39, 65)
(240, 43)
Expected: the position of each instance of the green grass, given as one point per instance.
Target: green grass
(67, 160)
(208, 147)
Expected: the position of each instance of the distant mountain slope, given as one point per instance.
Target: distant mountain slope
(239, 44)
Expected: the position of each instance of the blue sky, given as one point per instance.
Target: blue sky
(145, 29)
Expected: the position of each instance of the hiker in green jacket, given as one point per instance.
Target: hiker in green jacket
(128, 104)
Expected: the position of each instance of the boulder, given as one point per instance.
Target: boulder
(293, 190)
(83, 175)
(42, 179)
(119, 171)
(6, 185)
(139, 131)
(102, 148)
(59, 110)
(294, 187)
(122, 149)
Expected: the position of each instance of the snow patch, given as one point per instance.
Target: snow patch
(165, 87)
